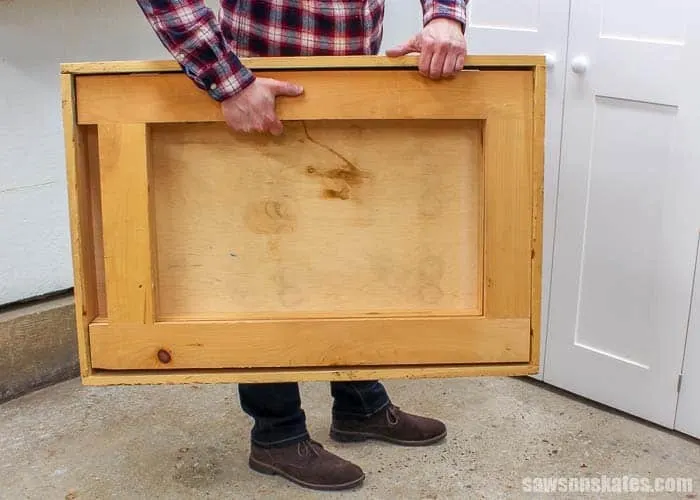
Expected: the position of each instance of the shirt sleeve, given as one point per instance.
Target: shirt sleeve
(190, 31)
(451, 9)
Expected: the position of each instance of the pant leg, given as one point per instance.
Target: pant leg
(358, 399)
(276, 410)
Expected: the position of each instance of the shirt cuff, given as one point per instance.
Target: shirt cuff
(450, 9)
(223, 79)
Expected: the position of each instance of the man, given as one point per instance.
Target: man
(208, 48)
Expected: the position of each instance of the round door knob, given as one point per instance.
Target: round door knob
(580, 65)
(550, 60)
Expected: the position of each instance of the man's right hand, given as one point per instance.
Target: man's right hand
(253, 110)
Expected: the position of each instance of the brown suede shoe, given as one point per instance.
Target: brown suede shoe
(391, 425)
(307, 464)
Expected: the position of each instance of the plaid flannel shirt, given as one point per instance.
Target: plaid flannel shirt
(208, 46)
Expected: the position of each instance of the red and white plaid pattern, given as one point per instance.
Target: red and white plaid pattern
(207, 46)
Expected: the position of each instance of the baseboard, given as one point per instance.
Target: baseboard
(38, 345)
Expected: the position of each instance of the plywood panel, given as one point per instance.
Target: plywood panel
(338, 217)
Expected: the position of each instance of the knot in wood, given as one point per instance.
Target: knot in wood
(164, 356)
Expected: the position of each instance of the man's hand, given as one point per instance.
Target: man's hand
(253, 110)
(442, 48)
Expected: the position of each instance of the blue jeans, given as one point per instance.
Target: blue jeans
(280, 419)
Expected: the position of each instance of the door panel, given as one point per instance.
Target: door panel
(622, 219)
(405, 233)
(688, 413)
(510, 15)
(625, 244)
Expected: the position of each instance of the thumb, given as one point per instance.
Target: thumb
(287, 89)
(413, 45)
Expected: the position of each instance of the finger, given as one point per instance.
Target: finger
(401, 50)
(459, 66)
(424, 63)
(437, 63)
(242, 127)
(287, 89)
(274, 126)
(271, 124)
(448, 70)
(426, 57)
(413, 45)
(404, 49)
(255, 123)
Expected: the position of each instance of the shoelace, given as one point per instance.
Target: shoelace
(307, 448)
(392, 415)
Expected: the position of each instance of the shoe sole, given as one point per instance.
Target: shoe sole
(358, 437)
(270, 470)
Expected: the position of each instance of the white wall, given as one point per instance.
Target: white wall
(35, 37)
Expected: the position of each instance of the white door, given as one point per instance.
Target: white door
(688, 412)
(537, 27)
(627, 206)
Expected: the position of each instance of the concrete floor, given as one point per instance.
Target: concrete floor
(69, 441)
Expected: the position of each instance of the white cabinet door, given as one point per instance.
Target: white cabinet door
(627, 208)
(531, 27)
(688, 412)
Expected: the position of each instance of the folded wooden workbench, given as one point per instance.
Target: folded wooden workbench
(393, 230)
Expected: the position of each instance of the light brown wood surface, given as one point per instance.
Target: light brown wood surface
(79, 202)
(394, 230)
(126, 218)
(328, 95)
(537, 214)
(95, 196)
(304, 62)
(507, 252)
(310, 342)
(338, 217)
(341, 373)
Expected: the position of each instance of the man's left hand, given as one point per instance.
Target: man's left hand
(442, 47)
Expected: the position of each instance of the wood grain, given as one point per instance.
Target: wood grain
(127, 230)
(79, 202)
(393, 231)
(538, 161)
(305, 62)
(343, 217)
(508, 212)
(339, 94)
(337, 374)
(93, 167)
(310, 343)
